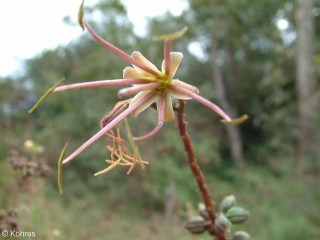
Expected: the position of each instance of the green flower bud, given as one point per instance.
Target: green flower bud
(241, 235)
(202, 210)
(222, 223)
(237, 215)
(197, 224)
(227, 202)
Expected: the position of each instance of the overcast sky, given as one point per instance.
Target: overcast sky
(30, 26)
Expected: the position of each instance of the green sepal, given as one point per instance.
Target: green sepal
(171, 36)
(60, 168)
(44, 96)
(236, 121)
(80, 15)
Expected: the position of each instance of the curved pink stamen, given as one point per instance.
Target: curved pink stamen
(160, 121)
(100, 83)
(118, 51)
(201, 100)
(109, 126)
(167, 44)
(150, 134)
(132, 90)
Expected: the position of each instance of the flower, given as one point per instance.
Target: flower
(148, 83)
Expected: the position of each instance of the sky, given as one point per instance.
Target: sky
(30, 26)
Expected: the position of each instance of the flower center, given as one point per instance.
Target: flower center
(165, 81)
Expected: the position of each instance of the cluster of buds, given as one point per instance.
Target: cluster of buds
(230, 213)
(27, 167)
(8, 220)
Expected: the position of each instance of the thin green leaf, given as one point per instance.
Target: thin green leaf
(236, 121)
(175, 35)
(133, 145)
(80, 15)
(44, 96)
(60, 168)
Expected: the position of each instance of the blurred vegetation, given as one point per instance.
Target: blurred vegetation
(284, 203)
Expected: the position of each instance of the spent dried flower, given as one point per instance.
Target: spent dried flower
(120, 155)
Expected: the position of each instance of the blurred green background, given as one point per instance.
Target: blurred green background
(247, 56)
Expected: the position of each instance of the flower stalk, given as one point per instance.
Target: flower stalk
(196, 171)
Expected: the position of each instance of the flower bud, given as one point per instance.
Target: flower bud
(202, 210)
(197, 224)
(241, 235)
(222, 223)
(227, 202)
(237, 215)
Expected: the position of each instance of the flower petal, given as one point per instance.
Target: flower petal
(130, 72)
(179, 83)
(179, 95)
(168, 111)
(175, 60)
(137, 88)
(133, 73)
(145, 104)
(139, 57)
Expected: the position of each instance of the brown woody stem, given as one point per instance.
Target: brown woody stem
(207, 200)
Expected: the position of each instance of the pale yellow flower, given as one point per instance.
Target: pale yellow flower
(148, 85)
